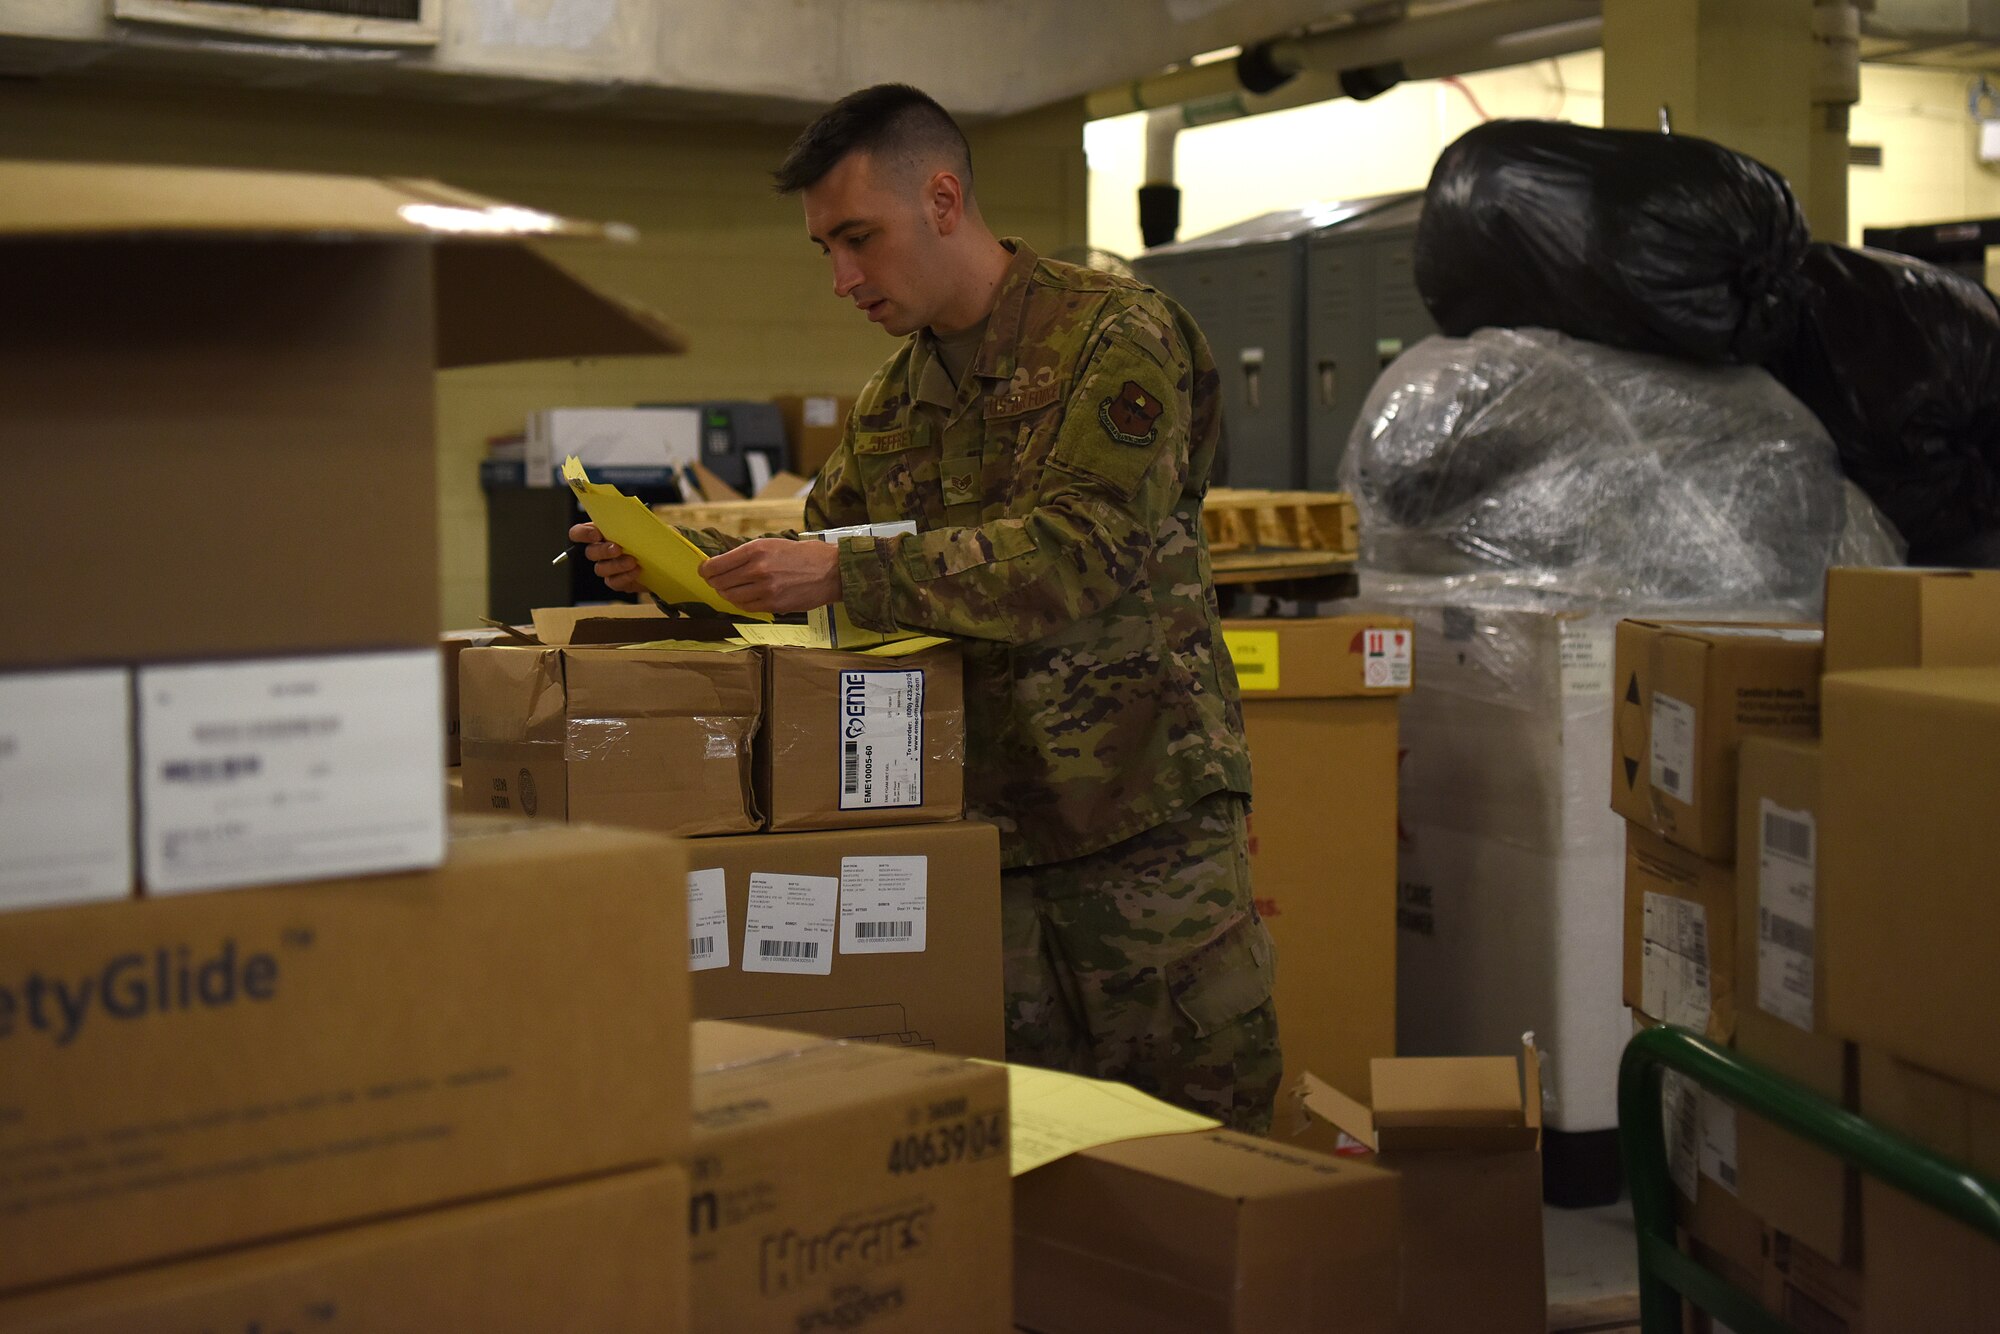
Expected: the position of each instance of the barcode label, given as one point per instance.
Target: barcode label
(850, 768)
(1674, 962)
(884, 904)
(708, 920)
(1675, 725)
(1788, 837)
(1786, 913)
(881, 726)
(789, 923)
(1718, 1140)
(1787, 934)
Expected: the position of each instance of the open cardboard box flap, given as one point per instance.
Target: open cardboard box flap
(1489, 1103)
(498, 299)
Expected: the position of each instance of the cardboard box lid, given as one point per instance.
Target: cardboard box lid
(1234, 1168)
(1898, 617)
(663, 683)
(510, 692)
(1729, 632)
(620, 623)
(1439, 1102)
(746, 1077)
(498, 300)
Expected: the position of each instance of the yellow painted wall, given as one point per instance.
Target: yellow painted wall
(1345, 149)
(720, 255)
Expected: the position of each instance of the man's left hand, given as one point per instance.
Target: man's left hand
(776, 574)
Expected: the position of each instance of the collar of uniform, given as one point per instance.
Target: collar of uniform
(929, 381)
(1003, 330)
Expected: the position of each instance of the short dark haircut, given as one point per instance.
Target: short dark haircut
(892, 121)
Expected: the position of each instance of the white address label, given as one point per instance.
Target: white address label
(884, 904)
(881, 739)
(1673, 748)
(1785, 912)
(708, 920)
(65, 787)
(1674, 965)
(789, 923)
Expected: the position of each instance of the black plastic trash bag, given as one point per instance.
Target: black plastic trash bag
(1655, 243)
(1901, 361)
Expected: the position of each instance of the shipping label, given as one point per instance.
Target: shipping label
(1674, 726)
(1680, 1115)
(65, 787)
(881, 739)
(708, 920)
(1785, 913)
(1587, 653)
(1674, 963)
(289, 769)
(1718, 1141)
(884, 904)
(789, 923)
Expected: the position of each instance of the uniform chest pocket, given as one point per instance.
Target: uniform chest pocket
(898, 474)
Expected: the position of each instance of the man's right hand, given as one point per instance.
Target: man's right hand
(613, 566)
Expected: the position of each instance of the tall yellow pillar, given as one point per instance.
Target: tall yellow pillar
(1766, 77)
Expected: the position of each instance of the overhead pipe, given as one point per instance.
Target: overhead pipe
(1267, 66)
(1159, 196)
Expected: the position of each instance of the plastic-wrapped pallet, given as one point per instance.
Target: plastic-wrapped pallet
(1521, 493)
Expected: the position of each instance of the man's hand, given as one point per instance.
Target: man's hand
(777, 574)
(613, 566)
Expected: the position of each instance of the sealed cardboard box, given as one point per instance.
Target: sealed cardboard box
(66, 801)
(185, 1073)
(1206, 1233)
(294, 418)
(852, 740)
(813, 425)
(1923, 1270)
(607, 1255)
(1688, 694)
(1323, 751)
(1463, 1136)
(1799, 1190)
(271, 770)
(1680, 935)
(450, 645)
(881, 935)
(1910, 767)
(658, 739)
(1813, 1292)
(840, 1185)
(1877, 618)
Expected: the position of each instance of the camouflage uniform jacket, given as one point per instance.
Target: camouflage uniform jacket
(1057, 494)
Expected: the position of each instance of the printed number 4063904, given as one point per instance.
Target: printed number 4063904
(963, 1141)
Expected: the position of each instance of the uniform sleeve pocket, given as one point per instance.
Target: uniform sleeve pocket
(1218, 983)
(946, 551)
(1117, 432)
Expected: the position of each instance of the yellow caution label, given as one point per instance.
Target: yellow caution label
(1256, 655)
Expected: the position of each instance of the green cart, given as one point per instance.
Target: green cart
(1666, 1276)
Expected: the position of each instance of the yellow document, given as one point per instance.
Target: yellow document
(1056, 1115)
(781, 636)
(669, 564)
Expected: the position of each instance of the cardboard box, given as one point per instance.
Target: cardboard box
(813, 425)
(608, 1255)
(1911, 618)
(852, 741)
(271, 770)
(1799, 1190)
(660, 739)
(450, 645)
(1814, 1293)
(1323, 835)
(1688, 693)
(1206, 1233)
(187, 1073)
(1910, 773)
(1680, 935)
(66, 801)
(1463, 1136)
(839, 1185)
(880, 935)
(294, 418)
(1923, 1270)
(1325, 657)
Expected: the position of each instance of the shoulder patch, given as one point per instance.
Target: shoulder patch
(1128, 416)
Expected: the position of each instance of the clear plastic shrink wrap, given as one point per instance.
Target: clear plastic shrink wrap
(1547, 470)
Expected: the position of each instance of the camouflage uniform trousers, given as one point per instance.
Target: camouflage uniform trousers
(1146, 963)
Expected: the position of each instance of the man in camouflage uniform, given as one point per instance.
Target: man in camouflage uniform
(1051, 430)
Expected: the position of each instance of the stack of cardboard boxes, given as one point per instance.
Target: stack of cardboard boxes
(254, 1003)
(1804, 846)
